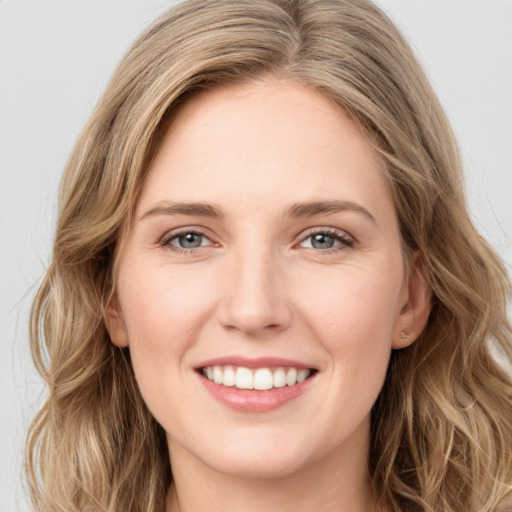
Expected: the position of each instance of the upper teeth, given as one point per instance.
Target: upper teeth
(257, 378)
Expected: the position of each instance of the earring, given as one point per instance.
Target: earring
(403, 334)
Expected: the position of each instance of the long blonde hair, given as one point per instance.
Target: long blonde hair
(442, 426)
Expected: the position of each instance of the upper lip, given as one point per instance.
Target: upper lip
(258, 362)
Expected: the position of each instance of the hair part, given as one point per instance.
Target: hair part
(442, 426)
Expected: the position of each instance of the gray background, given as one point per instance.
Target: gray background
(56, 57)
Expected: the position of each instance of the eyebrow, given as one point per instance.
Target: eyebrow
(305, 209)
(310, 209)
(183, 208)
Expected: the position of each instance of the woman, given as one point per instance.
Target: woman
(265, 278)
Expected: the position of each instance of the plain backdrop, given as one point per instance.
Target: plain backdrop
(57, 55)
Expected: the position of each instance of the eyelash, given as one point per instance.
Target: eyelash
(345, 241)
(166, 241)
(338, 236)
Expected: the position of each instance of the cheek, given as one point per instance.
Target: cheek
(353, 304)
(163, 312)
(161, 306)
(353, 316)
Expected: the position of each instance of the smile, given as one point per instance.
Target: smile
(260, 379)
(255, 385)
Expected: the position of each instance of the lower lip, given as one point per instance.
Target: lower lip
(249, 400)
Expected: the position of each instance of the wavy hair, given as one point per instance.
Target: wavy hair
(441, 434)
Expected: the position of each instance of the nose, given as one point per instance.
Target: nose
(255, 299)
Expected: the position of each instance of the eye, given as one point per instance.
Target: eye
(186, 241)
(326, 239)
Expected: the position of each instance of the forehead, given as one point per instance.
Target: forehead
(273, 139)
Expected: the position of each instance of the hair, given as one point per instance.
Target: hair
(441, 433)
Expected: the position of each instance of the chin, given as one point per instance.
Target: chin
(257, 467)
(255, 458)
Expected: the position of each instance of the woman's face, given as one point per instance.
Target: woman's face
(265, 250)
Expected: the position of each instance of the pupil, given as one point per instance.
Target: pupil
(190, 240)
(322, 241)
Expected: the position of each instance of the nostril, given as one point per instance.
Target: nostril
(252, 304)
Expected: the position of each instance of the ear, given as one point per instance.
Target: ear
(115, 323)
(417, 304)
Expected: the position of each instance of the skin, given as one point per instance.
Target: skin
(257, 286)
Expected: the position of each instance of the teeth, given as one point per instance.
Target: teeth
(244, 379)
(279, 378)
(263, 379)
(229, 378)
(217, 375)
(260, 379)
(302, 375)
(291, 377)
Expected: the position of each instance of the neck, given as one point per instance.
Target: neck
(336, 482)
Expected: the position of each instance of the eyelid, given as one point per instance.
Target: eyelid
(346, 240)
(165, 240)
